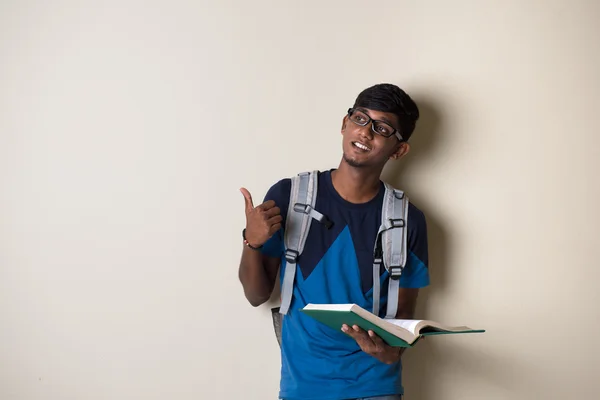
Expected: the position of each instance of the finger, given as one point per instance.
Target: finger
(357, 334)
(247, 199)
(362, 339)
(346, 329)
(274, 220)
(365, 337)
(267, 205)
(351, 330)
(274, 229)
(360, 332)
(273, 212)
(377, 340)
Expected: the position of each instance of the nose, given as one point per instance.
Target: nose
(367, 131)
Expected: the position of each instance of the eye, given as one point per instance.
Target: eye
(384, 130)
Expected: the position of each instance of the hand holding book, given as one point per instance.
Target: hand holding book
(393, 332)
(373, 345)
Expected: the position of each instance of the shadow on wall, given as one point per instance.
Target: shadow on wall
(430, 359)
(426, 144)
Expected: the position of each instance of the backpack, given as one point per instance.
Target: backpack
(390, 244)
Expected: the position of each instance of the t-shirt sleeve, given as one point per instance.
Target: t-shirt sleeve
(416, 271)
(280, 193)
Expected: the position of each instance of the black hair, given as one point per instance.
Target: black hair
(386, 97)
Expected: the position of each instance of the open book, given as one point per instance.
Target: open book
(395, 332)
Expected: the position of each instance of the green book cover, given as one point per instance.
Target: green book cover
(395, 332)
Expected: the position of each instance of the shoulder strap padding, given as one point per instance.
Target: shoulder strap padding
(394, 236)
(394, 221)
(303, 196)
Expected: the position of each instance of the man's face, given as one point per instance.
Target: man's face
(362, 147)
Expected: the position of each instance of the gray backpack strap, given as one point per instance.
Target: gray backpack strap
(377, 261)
(301, 211)
(391, 247)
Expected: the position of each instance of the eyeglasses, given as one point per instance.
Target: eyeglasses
(378, 127)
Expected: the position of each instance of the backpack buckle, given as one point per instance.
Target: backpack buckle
(399, 194)
(397, 223)
(291, 256)
(302, 208)
(395, 272)
(309, 210)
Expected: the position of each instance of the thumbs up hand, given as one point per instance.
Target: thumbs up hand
(261, 221)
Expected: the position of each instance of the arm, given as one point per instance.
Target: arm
(258, 272)
(415, 276)
(407, 302)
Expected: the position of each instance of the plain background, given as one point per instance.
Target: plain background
(127, 128)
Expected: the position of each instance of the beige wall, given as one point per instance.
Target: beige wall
(119, 243)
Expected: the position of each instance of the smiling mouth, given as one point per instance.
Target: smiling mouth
(361, 146)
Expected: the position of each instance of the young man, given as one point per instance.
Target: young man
(336, 266)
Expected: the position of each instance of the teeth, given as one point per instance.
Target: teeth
(361, 146)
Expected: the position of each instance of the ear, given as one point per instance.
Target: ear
(401, 151)
(344, 120)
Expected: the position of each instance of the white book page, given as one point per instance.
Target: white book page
(408, 324)
(329, 307)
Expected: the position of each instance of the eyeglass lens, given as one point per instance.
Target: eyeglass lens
(362, 119)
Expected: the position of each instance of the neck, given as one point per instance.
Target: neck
(356, 185)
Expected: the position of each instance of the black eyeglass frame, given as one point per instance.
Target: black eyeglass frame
(371, 120)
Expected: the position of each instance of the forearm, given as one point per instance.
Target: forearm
(256, 280)
(407, 303)
(405, 313)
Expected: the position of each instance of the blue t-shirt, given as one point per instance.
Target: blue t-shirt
(320, 363)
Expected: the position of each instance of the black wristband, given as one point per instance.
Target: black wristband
(246, 241)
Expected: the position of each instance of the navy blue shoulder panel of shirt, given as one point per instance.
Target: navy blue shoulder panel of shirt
(363, 220)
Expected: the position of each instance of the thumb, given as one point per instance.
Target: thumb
(247, 199)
